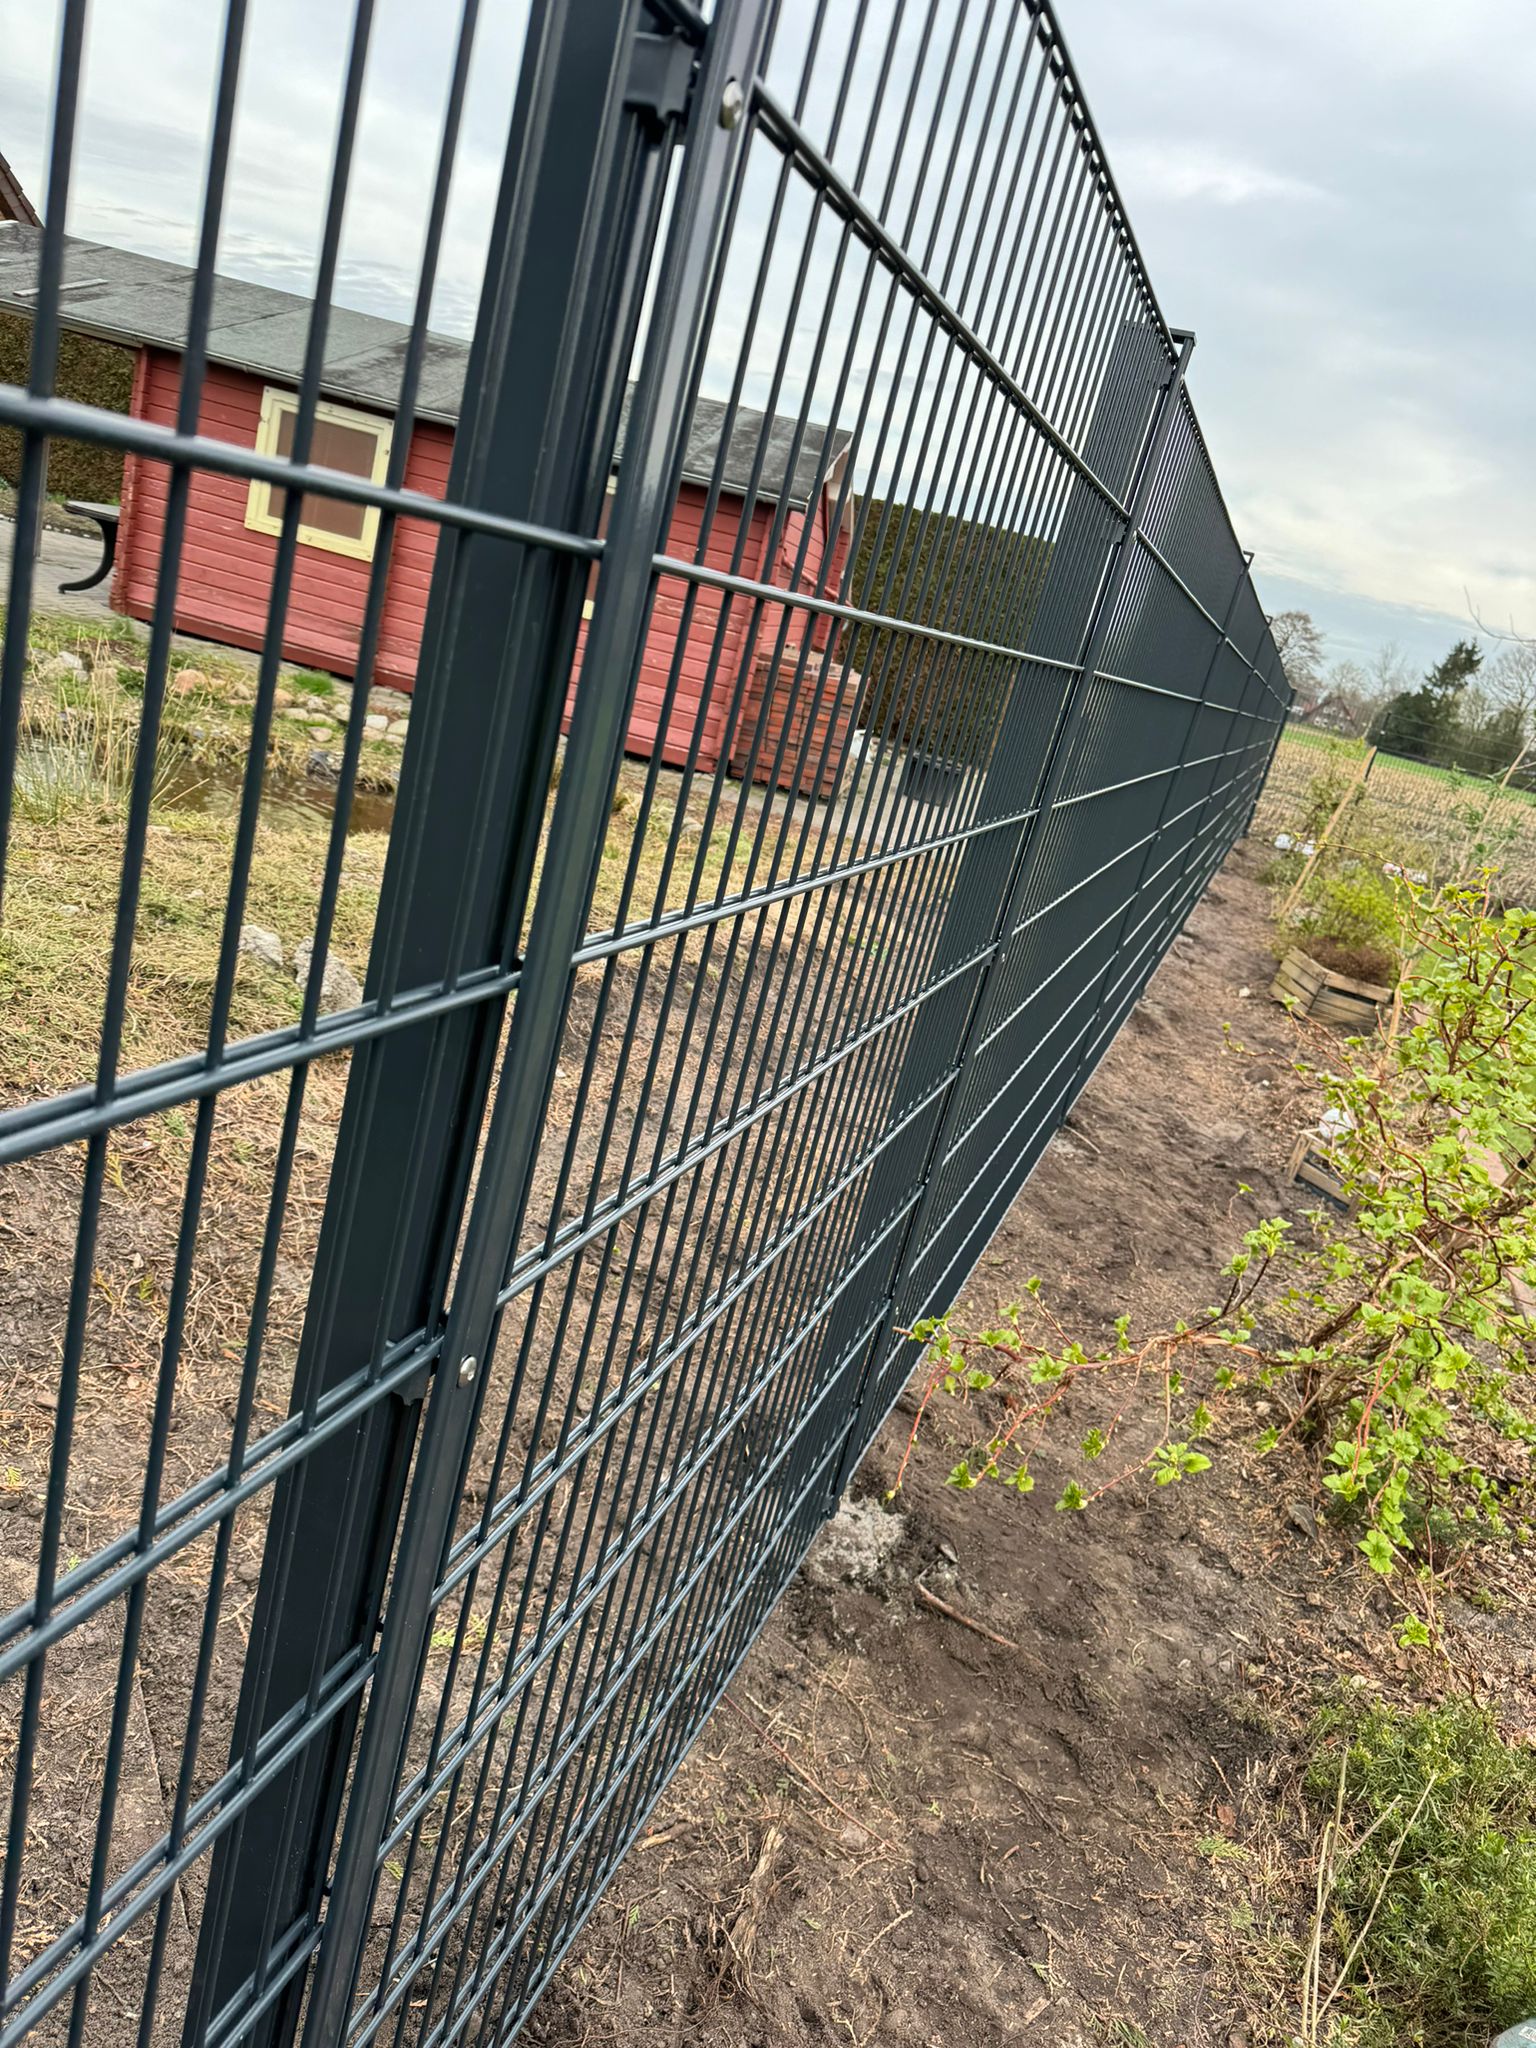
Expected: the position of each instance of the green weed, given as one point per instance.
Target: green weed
(1430, 1912)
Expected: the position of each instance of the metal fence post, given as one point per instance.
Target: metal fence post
(654, 439)
(580, 201)
(868, 1398)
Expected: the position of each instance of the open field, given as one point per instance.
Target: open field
(1438, 821)
(1299, 740)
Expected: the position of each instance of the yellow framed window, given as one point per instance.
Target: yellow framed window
(357, 443)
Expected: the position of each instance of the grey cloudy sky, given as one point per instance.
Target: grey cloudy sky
(1338, 195)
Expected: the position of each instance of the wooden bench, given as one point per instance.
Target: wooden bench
(106, 517)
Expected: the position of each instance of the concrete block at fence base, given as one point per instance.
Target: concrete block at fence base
(856, 1545)
(1521, 2035)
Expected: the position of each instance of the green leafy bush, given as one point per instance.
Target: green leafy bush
(1347, 915)
(1434, 1875)
(1394, 1336)
(1349, 921)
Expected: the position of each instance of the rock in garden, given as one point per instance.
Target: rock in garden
(64, 664)
(261, 944)
(340, 988)
(376, 722)
(1301, 1518)
(856, 1545)
(189, 679)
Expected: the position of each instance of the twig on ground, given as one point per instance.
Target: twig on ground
(874, 1938)
(953, 1614)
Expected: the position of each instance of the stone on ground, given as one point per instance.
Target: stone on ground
(856, 1545)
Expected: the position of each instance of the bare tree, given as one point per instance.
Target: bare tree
(1351, 693)
(1510, 679)
(1300, 644)
(1344, 703)
(1389, 673)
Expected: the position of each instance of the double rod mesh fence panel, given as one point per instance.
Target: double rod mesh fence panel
(839, 680)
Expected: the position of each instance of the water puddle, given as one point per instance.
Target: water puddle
(290, 802)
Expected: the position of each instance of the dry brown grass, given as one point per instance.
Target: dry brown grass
(60, 912)
(1449, 824)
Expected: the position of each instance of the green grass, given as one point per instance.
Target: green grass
(1302, 740)
(1322, 742)
(209, 720)
(1435, 1877)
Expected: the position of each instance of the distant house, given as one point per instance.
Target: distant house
(255, 349)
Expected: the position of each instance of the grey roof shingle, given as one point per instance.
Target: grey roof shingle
(124, 297)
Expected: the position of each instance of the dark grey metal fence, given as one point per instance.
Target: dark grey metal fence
(679, 1085)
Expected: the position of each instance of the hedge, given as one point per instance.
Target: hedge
(96, 373)
(937, 569)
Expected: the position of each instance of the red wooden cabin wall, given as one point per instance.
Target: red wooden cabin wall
(226, 573)
(226, 569)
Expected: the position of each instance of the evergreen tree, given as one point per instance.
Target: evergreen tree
(1424, 724)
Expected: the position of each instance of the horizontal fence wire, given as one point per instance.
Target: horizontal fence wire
(839, 680)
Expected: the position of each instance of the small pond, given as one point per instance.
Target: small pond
(291, 801)
(211, 789)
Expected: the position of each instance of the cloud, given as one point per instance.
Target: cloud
(1340, 201)
(1177, 171)
(143, 132)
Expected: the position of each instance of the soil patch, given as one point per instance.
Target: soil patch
(1360, 963)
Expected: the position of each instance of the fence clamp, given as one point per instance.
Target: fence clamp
(409, 1391)
(660, 76)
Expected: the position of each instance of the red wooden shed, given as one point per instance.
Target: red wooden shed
(256, 342)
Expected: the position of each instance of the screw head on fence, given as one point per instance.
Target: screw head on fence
(732, 103)
(468, 1367)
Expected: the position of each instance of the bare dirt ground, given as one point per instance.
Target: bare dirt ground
(1077, 1820)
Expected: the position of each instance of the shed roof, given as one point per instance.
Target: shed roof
(137, 300)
